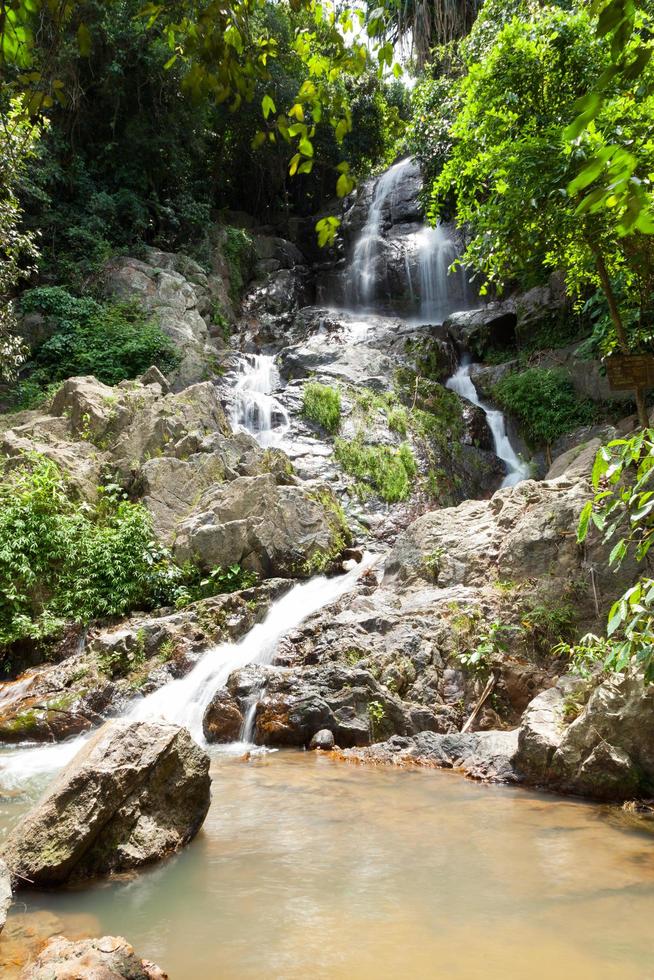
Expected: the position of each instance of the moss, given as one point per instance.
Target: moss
(322, 405)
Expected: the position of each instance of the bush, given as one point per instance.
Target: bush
(62, 561)
(322, 405)
(545, 403)
(112, 341)
(390, 472)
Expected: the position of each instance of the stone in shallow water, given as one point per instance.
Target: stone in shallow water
(108, 958)
(324, 739)
(134, 793)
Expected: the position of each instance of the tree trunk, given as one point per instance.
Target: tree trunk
(641, 405)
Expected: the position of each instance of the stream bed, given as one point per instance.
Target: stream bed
(310, 867)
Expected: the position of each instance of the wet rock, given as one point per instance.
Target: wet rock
(99, 677)
(324, 739)
(223, 719)
(5, 893)
(108, 958)
(293, 705)
(486, 756)
(133, 794)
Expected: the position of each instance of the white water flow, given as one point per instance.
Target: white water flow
(370, 242)
(255, 407)
(516, 469)
(184, 701)
(441, 291)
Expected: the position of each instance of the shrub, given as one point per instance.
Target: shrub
(63, 561)
(545, 403)
(390, 472)
(322, 405)
(112, 341)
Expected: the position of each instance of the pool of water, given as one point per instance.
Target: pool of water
(312, 868)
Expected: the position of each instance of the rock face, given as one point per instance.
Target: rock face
(223, 718)
(133, 794)
(606, 753)
(177, 292)
(108, 958)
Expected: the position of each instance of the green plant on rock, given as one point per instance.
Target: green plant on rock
(322, 405)
(376, 715)
(239, 251)
(193, 585)
(491, 643)
(389, 472)
(545, 403)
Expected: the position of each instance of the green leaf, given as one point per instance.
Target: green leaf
(84, 40)
(267, 106)
(584, 522)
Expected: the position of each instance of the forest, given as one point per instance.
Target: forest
(326, 464)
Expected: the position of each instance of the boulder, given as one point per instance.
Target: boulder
(324, 740)
(108, 958)
(134, 793)
(175, 290)
(223, 718)
(478, 331)
(541, 730)
(275, 530)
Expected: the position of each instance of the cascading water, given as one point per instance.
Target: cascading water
(184, 701)
(441, 291)
(255, 407)
(516, 468)
(369, 244)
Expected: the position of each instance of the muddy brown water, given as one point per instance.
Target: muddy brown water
(313, 868)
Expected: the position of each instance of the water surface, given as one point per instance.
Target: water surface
(312, 868)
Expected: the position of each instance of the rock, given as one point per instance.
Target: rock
(294, 704)
(273, 530)
(486, 756)
(5, 893)
(175, 290)
(133, 794)
(108, 958)
(541, 730)
(324, 739)
(478, 331)
(153, 376)
(223, 719)
(608, 751)
(90, 680)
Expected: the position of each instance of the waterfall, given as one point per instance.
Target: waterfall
(516, 468)
(184, 701)
(255, 408)
(441, 292)
(369, 244)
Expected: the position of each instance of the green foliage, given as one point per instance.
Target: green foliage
(390, 472)
(193, 585)
(18, 250)
(623, 512)
(509, 166)
(112, 341)
(322, 405)
(376, 715)
(62, 561)
(490, 644)
(545, 403)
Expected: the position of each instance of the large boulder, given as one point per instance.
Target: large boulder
(108, 958)
(274, 530)
(133, 794)
(175, 290)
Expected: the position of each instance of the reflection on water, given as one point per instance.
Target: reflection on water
(309, 868)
